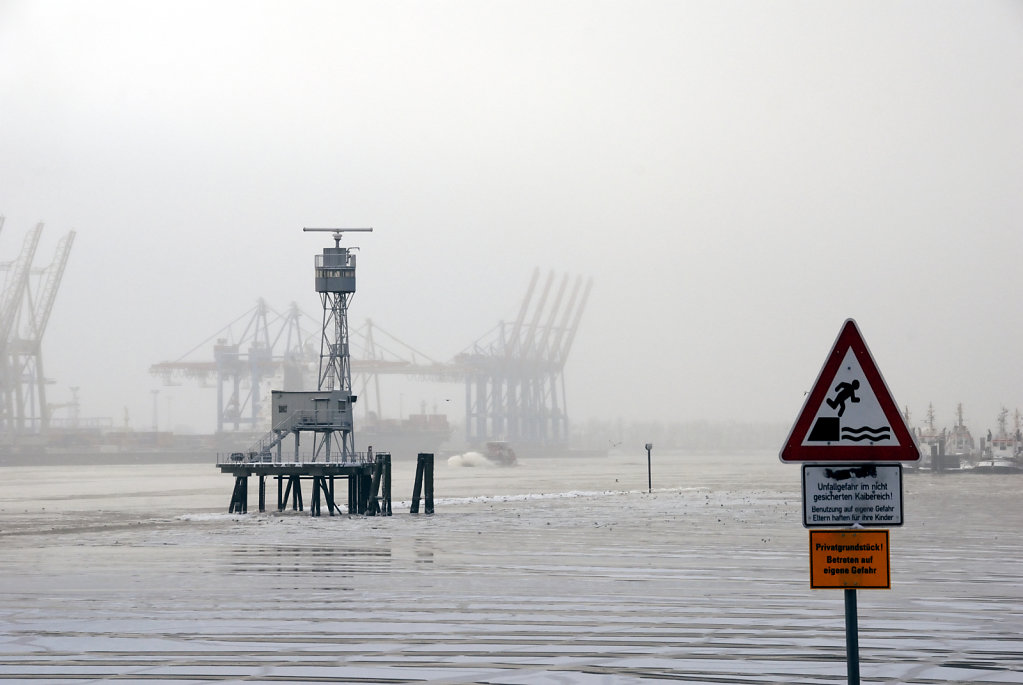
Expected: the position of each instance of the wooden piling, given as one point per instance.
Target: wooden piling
(314, 502)
(239, 498)
(423, 484)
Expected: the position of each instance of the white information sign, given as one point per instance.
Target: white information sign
(844, 495)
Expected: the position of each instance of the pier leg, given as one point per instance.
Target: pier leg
(365, 480)
(333, 502)
(372, 503)
(314, 502)
(387, 485)
(239, 503)
(417, 488)
(262, 492)
(296, 492)
(287, 494)
(328, 494)
(428, 485)
(282, 498)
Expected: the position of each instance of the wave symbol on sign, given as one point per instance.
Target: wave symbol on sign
(866, 433)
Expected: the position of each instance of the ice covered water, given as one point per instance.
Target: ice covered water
(559, 570)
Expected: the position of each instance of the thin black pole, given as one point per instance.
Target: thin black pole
(649, 471)
(852, 640)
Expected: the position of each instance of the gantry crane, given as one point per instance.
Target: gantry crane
(25, 308)
(270, 344)
(514, 384)
(514, 377)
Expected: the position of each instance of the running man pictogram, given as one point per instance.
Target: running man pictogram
(846, 391)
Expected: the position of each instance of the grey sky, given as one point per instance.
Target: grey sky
(738, 178)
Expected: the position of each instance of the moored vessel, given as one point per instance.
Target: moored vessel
(959, 443)
(935, 454)
(1003, 452)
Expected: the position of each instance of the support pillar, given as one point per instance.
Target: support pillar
(296, 493)
(240, 496)
(423, 484)
(314, 502)
(365, 482)
(428, 486)
(372, 501)
(328, 494)
(387, 485)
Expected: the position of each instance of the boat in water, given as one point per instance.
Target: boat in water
(959, 443)
(935, 454)
(1003, 452)
(501, 453)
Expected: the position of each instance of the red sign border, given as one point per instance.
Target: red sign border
(794, 451)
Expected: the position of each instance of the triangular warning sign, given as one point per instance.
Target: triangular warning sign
(850, 414)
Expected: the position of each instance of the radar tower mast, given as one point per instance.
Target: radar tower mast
(335, 282)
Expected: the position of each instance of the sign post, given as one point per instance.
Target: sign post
(852, 639)
(850, 559)
(850, 438)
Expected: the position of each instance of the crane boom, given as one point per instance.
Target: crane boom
(54, 275)
(563, 353)
(17, 282)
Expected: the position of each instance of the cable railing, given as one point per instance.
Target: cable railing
(267, 449)
(303, 458)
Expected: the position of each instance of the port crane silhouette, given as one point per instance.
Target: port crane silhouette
(513, 374)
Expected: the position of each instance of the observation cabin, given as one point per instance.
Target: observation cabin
(335, 269)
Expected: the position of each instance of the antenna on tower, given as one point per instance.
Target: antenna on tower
(338, 232)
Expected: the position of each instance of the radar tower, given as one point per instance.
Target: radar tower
(335, 282)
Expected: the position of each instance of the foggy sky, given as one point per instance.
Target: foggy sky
(737, 178)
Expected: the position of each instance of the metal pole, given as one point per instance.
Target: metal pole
(852, 641)
(649, 472)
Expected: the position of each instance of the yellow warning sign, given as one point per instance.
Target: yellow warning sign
(849, 559)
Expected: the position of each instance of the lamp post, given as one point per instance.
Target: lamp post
(649, 475)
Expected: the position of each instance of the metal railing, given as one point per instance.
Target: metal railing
(252, 458)
(265, 450)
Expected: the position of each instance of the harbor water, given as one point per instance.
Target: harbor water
(559, 570)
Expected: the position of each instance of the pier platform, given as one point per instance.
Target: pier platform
(368, 479)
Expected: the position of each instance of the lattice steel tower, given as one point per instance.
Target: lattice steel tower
(335, 282)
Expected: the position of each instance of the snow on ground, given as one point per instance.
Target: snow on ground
(561, 571)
